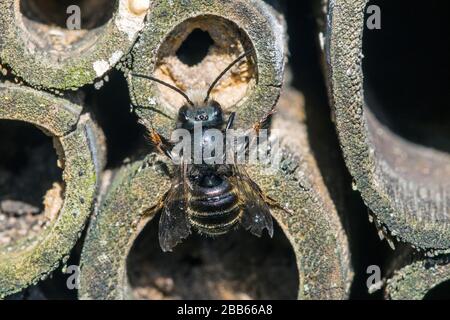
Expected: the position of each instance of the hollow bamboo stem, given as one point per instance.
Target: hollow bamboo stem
(81, 156)
(42, 47)
(420, 280)
(404, 183)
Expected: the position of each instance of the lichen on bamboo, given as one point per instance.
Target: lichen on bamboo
(40, 46)
(68, 204)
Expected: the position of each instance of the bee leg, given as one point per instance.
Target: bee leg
(230, 120)
(150, 211)
(155, 208)
(261, 124)
(264, 122)
(156, 140)
(159, 144)
(275, 204)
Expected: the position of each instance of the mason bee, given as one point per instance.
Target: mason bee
(211, 198)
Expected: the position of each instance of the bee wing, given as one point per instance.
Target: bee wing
(173, 224)
(257, 215)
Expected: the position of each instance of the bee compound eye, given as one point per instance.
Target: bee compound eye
(182, 113)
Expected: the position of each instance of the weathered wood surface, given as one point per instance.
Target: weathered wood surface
(81, 156)
(405, 185)
(39, 48)
(419, 279)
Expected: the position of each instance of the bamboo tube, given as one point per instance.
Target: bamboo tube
(191, 46)
(425, 278)
(115, 245)
(80, 151)
(42, 47)
(403, 179)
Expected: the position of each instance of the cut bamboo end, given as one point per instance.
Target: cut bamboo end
(42, 46)
(122, 245)
(134, 189)
(81, 157)
(428, 278)
(188, 44)
(315, 228)
(395, 149)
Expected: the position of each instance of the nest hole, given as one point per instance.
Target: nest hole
(406, 85)
(439, 292)
(195, 48)
(196, 52)
(31, 188)
(60, 25)
(236, 265)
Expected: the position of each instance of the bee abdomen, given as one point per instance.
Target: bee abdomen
(214, 214)
(213, 203)
(215, 222)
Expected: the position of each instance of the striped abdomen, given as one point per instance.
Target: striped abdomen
(213, 206)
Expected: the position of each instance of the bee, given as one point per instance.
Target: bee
(211, 198)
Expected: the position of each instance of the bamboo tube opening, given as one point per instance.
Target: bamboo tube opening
(439, 292)
(237, 265)
(415, 277)
(31, 187)
(64, 45)
(190, 47)
(50, 26)
(196, 52)
(405, 85)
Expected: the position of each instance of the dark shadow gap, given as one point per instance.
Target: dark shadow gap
(365, 246)
(440, 292)
(111, 108)
(406, 71)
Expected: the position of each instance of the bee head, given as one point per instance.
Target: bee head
(208, 115)
(200, 109)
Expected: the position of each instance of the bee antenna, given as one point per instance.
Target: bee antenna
(165, 84)
(211, 87)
